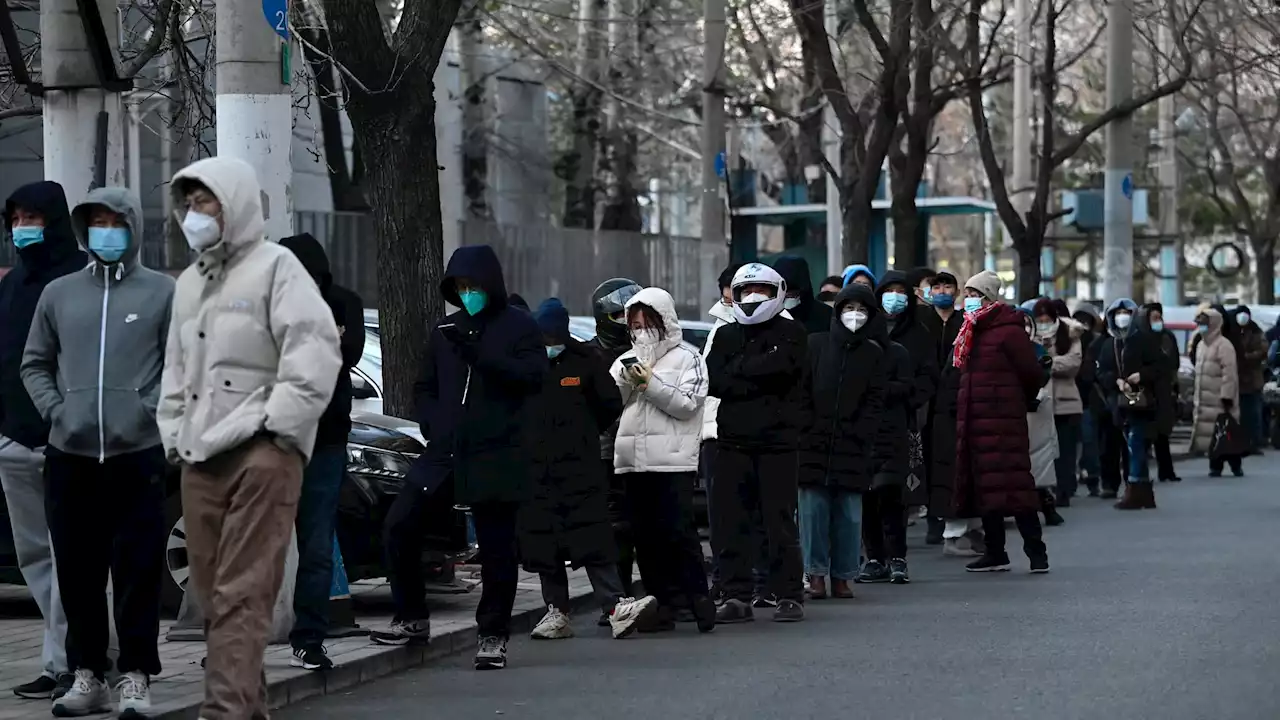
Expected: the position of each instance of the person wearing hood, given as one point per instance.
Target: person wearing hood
(1108, 353)
(999, 380)
(322, 478)
(516, 301)
(1090, 467)
(828, 290)
(1252, 359)
(609, 307)
(1059, 335)
(39, 225)
(800, 304)
(1042, 433)
(859, 273)
(756, 368)
(1217, 388)
(568, 516)
(250, 365)
(848, 369)
(104, 464)
(1148, 374)
(663, 382)
(1166, 410)
(481, 366)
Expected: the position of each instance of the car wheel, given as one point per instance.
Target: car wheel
(175, 557)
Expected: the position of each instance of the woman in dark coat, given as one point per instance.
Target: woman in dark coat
(567, 519)
(999, 378)
(847, 370)
(1148, 374)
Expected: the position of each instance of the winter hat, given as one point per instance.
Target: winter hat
(987, 283)
(553, 319)
(854, 271)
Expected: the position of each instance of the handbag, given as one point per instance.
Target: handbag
(1136, 397)
(1228, 437)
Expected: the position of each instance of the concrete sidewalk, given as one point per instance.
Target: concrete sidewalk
(178, 691)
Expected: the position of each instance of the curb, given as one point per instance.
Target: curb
(379, 662)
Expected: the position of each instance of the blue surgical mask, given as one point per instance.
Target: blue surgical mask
(893, 302)
(1202, 328)
(553, 351)
(27, 235)
(1157, 326)
(473, 301)
(108, 243)
(943, 300)
(926, 293)
(972, 304)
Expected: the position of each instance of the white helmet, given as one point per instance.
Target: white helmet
(755, 308)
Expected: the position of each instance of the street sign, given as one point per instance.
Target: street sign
(277, 14)
(1126, 186)
(720, 163)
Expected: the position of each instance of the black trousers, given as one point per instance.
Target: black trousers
(108, 517)
(745, 481)
(1028, 526)
(1164, 459)
(1215, 465)
(403, 543)
(619, 516)
(1115, 452)
(668, 550)
(499, 566)
(884, 524)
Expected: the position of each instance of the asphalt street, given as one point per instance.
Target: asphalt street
(1170, 614)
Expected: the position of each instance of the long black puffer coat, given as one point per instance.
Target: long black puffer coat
(567, 518)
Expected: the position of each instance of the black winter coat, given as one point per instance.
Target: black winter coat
(617, 483)
(758, 372)
(917, 368)
(1154, 357)
(38, 265)
(942, 443)
(813, 315)
(848, 377)
(474, 387)
(567, 518)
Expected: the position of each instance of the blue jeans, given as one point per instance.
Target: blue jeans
(1090, 452)
(1251, 418)
(1136, 435)
(317, 516)
(831, 532)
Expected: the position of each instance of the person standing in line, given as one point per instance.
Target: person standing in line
(848, 371)
(95, 378)
(250, 365)
(1108, 351)
(756, 367)
(39, 225)
(1042, 433)
(1217, 389)
(663, 382)
(1167, 416)
(567, 518)
(481, 367)
(1090, 466)
(1059, 335)
(828, 290)
(999, 378)
(1147, 377)
(800, 303)
(958, 537)
(1252, 356)
(322, 478)
(920, 282)
(722, 314)
(859, 274)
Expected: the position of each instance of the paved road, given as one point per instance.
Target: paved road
(1163, 615)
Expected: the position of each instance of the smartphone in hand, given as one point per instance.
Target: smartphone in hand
(630, 361)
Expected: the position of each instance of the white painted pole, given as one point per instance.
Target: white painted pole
(1022, 122)
(836, 260)
(135, 149)
(1171, 242)
(1117, 240)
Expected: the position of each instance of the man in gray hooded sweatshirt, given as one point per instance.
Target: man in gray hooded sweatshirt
(92, 367)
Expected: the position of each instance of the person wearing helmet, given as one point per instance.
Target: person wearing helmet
(756, 369)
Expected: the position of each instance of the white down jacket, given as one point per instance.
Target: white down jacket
(661, 426)
(723, 315)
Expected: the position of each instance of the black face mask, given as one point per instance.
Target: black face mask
(826, 297)
(613, 335)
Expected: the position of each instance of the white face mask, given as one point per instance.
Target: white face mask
(753, 298)
(1123, 321)
(1243, 319)
(645, 345)
(853, 319)
(793, 303)
(202, 231)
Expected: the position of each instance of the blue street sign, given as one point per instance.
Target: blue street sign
(720, 165)
(1126, 186)
(277, 14)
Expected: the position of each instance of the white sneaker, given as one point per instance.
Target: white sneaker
(629, 612)
(553, 626)
(958, 547)
(135, 695)
(88, 696)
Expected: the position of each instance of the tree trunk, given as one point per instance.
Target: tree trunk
(1265, 250)
(855, 218)
(906, 224)
(1028, 270)
(578, 166)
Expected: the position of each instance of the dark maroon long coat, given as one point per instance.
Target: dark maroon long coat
(993, 456)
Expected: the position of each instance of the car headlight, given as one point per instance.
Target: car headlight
(385, 469)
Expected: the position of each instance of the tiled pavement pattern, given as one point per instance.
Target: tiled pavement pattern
(178, 691)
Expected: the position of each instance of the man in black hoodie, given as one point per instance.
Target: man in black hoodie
(39, 224)
(322, 478)
(804, 307)
(481, 367)
(757, 368)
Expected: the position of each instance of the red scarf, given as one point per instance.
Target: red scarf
(964, 340)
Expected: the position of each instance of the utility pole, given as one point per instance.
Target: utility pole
(83, 135)
(713, 122)
(1117, 242)
(831, 149)
(254, 107)
(1022, 122)
(1170, 230)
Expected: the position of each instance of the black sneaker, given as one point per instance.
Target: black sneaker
(704, 613)
(492, 654)
(39, 689)
(66, 680)
(1039, 564)
(898, 574)
(1238, 472)
(403, 632)
(603, 620)
(764, 601)
(734, 611)
(313, 657)
(936, 528)
(989, 563)
(873, 571)
(664, 620)
(788, 611)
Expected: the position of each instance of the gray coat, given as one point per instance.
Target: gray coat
(95, 353)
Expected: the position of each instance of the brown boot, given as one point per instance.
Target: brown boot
(1148, 496)
(817, 587)
(840, 589)
(1132, 498)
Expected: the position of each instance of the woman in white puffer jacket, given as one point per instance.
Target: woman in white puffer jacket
(663, 382)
